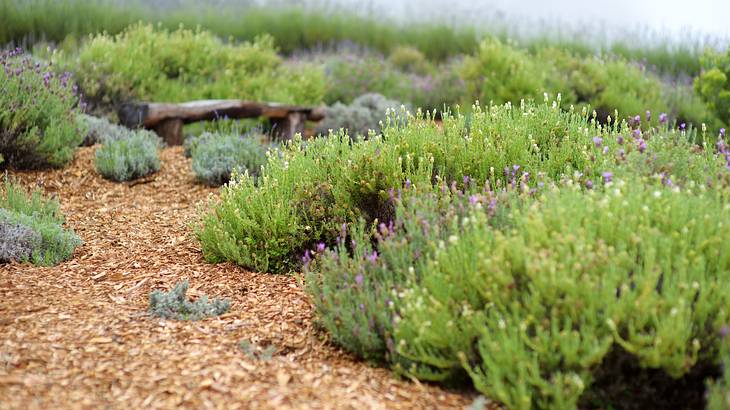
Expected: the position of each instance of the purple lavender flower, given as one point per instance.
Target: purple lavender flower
(589, 184)
(637, 133)
(682, 126)
(605, 150)
(637, 119)
(408, 183)
(607, 177)
(306, 258)
(663, 118)
(466, 180)
(620, 140)
(473, 199)
(320, 247)
(722, 132)
(648, 115)
(724, 331)
(642, 145)
(359, 279)
(597, 141)
(373, 257)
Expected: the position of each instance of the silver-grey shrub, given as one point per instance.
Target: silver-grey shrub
(99, 130)
(367, 112)
(17, 241)
(129, 158)
(175, 305)
(217, 155)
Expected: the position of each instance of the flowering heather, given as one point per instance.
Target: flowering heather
(38, 127)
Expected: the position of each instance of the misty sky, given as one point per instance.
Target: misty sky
(675, 17)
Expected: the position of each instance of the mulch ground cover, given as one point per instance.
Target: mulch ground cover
(78, 335)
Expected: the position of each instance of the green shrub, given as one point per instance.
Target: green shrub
(31, 228)
(713, 85)
(100, 130)
(129, 158)
(409, 59)
(575, 276)
(37, 114)
(500, 72)
(145, 63)
(367, 112)
(304, 195)
(217, 156)
(175, 305)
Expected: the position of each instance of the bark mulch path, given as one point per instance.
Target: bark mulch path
(77, 335)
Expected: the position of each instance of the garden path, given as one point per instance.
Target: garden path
(77, 335)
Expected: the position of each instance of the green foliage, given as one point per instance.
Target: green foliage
(545, 301)
(410, 60)
(305, 195)
(37, 114)
(500, 72)
(32, 228)
(175, 305)
(146, 63)
(713, 85)
(217, 156)
(367, 112)
(129, 158)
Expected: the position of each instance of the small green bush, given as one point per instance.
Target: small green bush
(217, 156)
(31, 228)
(367, 112)
(129, 158)
(713, 85)
(37, 114)
(175, 305)
(145, 63)
(100, 130)
(409, 59)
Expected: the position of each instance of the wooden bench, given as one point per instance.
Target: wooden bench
(167, 120)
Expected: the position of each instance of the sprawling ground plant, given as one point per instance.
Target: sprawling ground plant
(170, 66)
(175, 305)
(31, 228)
(304, 195)
(37, 113)
(129, 158)
(217, 156)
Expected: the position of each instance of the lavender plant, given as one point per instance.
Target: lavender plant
(32, 228)
(18, 241)
(330, 181)
(37, 113)
(175, 305)
(129, 158)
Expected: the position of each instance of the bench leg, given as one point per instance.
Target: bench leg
(171, 131)
(286, 128)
